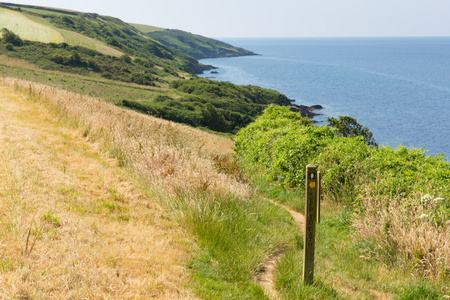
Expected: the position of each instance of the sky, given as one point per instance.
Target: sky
(280, 18)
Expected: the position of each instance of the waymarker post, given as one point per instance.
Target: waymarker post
(312, 215)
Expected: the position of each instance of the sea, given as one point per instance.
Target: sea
(398, 87)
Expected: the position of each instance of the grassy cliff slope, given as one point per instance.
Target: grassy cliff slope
(98, 201)
(196, 45)
(100, 48)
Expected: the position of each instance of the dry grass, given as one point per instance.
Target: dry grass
(405, 235)
(163, 153)
(72, 222)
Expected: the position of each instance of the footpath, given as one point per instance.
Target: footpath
(73, 223)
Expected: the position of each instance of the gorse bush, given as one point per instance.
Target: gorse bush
(377, 182)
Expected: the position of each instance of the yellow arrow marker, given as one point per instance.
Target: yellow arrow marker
(312, 184)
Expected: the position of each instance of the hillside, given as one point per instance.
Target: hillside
(111, 35)
(74, 223)
(105, 195)
(101, 202)
(100, 48)
(27, 28)
(196, 45)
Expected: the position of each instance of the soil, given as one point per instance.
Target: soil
(266, 277)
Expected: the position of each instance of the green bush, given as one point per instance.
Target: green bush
(10, 37)
(141, 78)
(214, 118)
(348, 127)
(281, 144)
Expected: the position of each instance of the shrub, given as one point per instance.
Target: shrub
(141, 78)
(9, 47)
(74, 58)
(10, 37)
(126, 58)
(113, 42)
(382, 185)
(343, 163)
(348, 127)
(59, 59)
(214, 118)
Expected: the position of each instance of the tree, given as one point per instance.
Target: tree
(112, 41)
(141, 78)
(75, 58)
(126, 58)
(348, 127)
(59, 59)
(214, 119)
(11, 38)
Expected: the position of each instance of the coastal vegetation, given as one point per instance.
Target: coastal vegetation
(104, 194)
(229, 229)
(219, 106)
(394, 203)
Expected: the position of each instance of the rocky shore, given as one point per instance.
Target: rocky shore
(306, 111)
(200, 68)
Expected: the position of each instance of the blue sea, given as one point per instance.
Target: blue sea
(398, 87)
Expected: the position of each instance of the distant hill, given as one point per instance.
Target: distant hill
(196, 45)
(111, 36)
(107, 35)
(146, 66)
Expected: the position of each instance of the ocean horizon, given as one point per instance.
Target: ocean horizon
(398, 87)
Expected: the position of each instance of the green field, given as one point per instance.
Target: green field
(27, 28)
(38, 29)
(146, 28)
(76, 39)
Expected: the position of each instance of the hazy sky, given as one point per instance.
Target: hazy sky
(280, 18)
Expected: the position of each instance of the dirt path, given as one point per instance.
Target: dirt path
(266, 278)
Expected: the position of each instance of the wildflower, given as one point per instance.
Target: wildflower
(426, 199)
(423, 216)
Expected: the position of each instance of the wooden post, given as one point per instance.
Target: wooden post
(319, 192)
(312, 187)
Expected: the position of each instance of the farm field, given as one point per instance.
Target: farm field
(27, 28)
(38, 29)
(76, 39)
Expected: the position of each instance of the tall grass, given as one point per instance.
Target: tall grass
(234, 230)
(72, 223)
(388, 190)
(411, 235)
(164, 153)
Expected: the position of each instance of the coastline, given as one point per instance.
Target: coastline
(304, 110)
